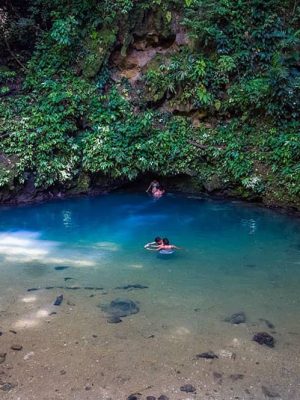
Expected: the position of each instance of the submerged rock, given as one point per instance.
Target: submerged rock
(134, 396)
(130, 287)
(61, 267)
(236, 377)
(59, 300)
(2, 357)
(269, 392)
(264, 338)
(227, 354)
(114, 320)
(7, 387)
(210, 355)
(237, 318)
(188, 388)
(121, 308)
(16, 347)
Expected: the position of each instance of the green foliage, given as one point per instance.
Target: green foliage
(62, 114)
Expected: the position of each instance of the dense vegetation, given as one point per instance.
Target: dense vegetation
(222, 105)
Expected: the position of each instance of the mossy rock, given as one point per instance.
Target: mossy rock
(97, 49)
(82, 184)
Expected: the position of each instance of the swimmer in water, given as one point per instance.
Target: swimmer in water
(156, 190)
(167, 246)
(154, 245)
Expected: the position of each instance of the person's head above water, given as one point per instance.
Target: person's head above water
(166, 241)
(158, 240)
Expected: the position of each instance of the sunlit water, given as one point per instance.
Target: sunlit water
(234, 257)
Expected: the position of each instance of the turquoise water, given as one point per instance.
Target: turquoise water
(235, 257)
(229, 249)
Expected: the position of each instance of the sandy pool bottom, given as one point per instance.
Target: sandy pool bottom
(71, 352)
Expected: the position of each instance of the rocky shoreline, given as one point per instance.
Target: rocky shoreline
(86, 186)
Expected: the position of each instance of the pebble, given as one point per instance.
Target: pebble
(269, 392)
(134, 396)
(264, 338)
(227, 354)
(58, 300)
(16, 347)
(28, 355)
(114, 320)
(2, 357)
(210, 355)
(188, 388)
(6, 387)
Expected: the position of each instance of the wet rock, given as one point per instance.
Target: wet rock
(49, 287)
(163, 397)
(121, 308)
(237, 318)
(2, 357)
(7, 387)
(67, 278)
(99, 288)
(59, 300)
(89, 288)
(131, 287)
(114, 320)
(264, 338)
(210, 355)
(188, 388)
(61, 268)
(236, 377)
(16, 347)
(269, 392)
(135, 396)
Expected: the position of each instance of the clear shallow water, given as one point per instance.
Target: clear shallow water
(235, 257)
